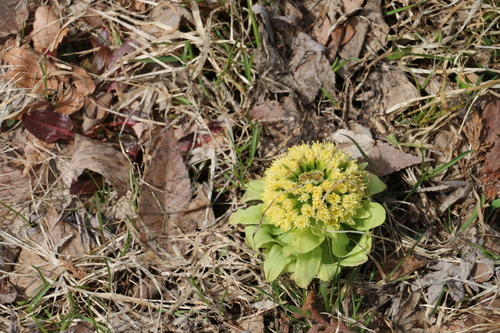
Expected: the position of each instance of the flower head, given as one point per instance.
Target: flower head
(313, 186)
(316, 213)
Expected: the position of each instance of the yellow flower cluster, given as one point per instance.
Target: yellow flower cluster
(311, 185)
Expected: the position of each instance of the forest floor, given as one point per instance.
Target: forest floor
(129, 129)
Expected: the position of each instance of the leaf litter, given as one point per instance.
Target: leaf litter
(119, 73)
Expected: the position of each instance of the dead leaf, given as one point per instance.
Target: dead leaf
(405, 268)
(352, 5)
(320, 29)
(389, 88)
(14, 182)
(46, 29)
(165, 19)
(253, 324)
(26, 71)
(73, 99)
(378, 28)
(165, 196)
(96, 106)
(12, 17)
(491, 168)
(353, 48)
(8, 294)
(53, 235)
(386, 159)
(103, 158)
(199, 211)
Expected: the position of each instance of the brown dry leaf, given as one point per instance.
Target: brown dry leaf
(352, 5)
(165, 196)
(26, 70)
(320, 29)
(386, 159)
(267, 111)
(253, 324)
(378, 28)
(74, 98)
(165, 18)
(46, 29)
(96, 106)
(313, 74)
(8, 294)
(353, 48)
(491, 168)
(70, 102)
(14, 181)
(12, 18)
(360, 134)
(409, 265)
(53, 235)
(104, 158)
(199, 211)
(386, 89)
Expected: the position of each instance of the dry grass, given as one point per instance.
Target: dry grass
(118, 284)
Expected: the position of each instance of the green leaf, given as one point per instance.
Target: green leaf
(339, 242)
(376, 218)
(254, 190)
(495, 203)
(362, 214)
(275, 263)
(250, 215)
(260, 239)
(306, 240)
(330, 266)
(358, 254)
(307, 267)
(375, 185)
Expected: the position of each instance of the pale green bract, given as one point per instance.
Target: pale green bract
(316, 214)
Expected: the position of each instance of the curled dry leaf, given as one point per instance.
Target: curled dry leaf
(46, 28)
(104, 158)
(48, 126)
(74, 98)
(26, 71)
(101, 60)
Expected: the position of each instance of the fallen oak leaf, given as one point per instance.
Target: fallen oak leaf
(48, 126)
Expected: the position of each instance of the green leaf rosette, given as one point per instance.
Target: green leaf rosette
(315, 216)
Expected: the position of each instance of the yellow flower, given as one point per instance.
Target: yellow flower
(313, 185)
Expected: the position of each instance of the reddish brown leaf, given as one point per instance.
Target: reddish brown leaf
(87, 182)
(101, 60)
(48, 126)
(166, 194)
(491, 168)
(126, 47)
